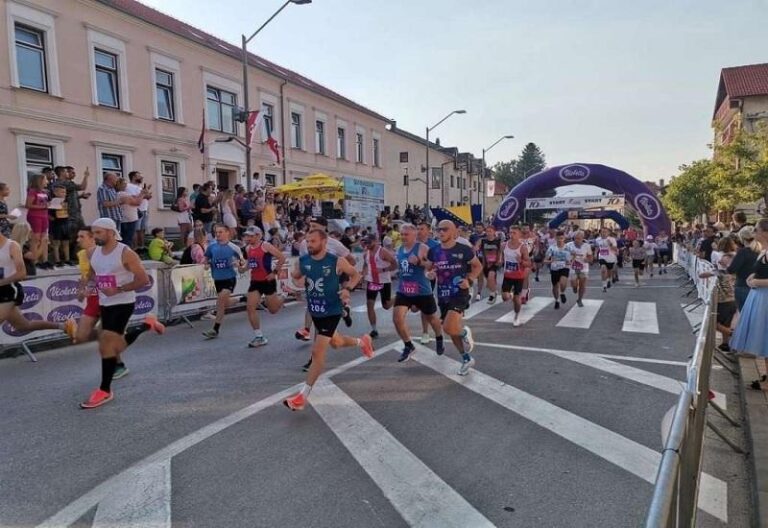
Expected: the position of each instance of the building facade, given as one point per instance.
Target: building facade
(113, 85)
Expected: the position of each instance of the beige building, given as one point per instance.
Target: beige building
(115, 85)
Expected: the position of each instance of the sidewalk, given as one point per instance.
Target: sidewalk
(756, 413)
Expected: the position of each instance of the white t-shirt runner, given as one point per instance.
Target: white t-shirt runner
(605, 249)
(580, 263)
(333, 246)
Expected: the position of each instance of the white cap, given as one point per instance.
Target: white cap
(109, 225)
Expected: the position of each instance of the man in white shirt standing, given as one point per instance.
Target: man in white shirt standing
(134, 188)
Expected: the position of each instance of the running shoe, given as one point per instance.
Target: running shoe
(516, 320)
(97, 398)
(374, 334)
(154, 325)
(563, 298)
(406, 354)
(70, 328)
(439, 347)
(121, 371)
(306, 366)
(366, 346)
(579, 303)
(468, 340)
(424, 339)
(491, 299)
(477, 297)
(210, 334)
(210, 316)
(295, 403)
(258, 341)
(347, 316)
(465, 366)
(604, 290)
(608, 284)
(557, 305)
(536, 278)
(575, 289)
(302, 334)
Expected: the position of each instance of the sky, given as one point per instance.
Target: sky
(630, 84)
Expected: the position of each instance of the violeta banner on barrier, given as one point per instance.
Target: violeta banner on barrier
(54, 298)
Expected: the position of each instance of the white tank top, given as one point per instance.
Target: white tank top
(513, 262)
(7, 267)
(373, 272)
(110, 272)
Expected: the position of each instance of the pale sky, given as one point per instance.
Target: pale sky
(630, 84)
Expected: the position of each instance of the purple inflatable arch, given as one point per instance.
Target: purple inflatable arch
(637, 194)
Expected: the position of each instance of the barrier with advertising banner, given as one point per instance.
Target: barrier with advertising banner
(53, 298)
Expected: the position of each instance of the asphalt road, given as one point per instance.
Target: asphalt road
(559, 425)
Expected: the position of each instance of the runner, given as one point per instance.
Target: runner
(457, 267)
(118, 273)
(650, 253)
(475, 239)
(531, 242)
(490, 250)
(378, 265)
(517, 265)
(662, 243)
(260, 256)
(321, 272)
(559, 260)
(581, 252)
(414, 291)
(12, 271)
(225, 260)
(606, 249)
(424, 236)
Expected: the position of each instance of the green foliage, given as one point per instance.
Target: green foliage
(692, 192)
(741, 169)
(530, 161)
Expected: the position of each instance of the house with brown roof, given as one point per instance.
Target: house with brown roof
(742, 100)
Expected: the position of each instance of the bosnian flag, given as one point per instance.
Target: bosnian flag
(201, 139)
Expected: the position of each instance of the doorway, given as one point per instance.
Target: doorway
(224, 179)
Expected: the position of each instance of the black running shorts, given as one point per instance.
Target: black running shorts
(115, 318)
(373, 290)
(424, 303)
(326, 326)
(263, 287)
(512, 285)
(225, 284)
(12, 293)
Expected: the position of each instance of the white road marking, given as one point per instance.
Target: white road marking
(528, 311)
(694, 316)
(601, 362)
(415, 491)
(143, 500)
(641, 317)
(623, 452)
(479, 307)
(581, 317)
(114, 486)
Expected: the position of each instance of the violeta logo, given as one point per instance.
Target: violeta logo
(508, 208)
(62, 291)
(143, 305)
(574, 173)
(32, 296)
(647, 206)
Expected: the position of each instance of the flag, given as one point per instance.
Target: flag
(254, 121)
(201, 139)
(273, 145)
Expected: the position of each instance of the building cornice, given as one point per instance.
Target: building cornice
(37, 133)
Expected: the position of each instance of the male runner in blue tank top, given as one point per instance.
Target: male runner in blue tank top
(414, 290)
(424, 236)
(457, 268)
(326, 298)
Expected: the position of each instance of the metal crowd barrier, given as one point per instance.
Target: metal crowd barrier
(675, 495)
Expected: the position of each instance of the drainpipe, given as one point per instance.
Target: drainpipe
(282, 128)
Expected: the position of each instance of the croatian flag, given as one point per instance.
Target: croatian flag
(273, 145)
(255, 122)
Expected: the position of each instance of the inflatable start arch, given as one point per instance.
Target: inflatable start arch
(637, 194)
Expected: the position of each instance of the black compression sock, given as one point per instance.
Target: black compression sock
(216, 327)
(108, 366)
(438, 338)
(409, 344)
(133, 333)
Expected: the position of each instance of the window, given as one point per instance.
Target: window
(107, 91)
(112, 163)
(165, 95)
(452, 182)
(320, 137)
(37, 158)
(268, 113)
(376, 161)
(359, 149)
(221, 110)
(169, 180)
(270, 180)
(30, 58)
(341, 143)
(296, 130)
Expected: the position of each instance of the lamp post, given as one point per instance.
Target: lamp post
(482, 179)
(245, 83)
(429, 129)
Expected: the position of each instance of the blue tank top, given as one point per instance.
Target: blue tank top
(322, 285)
(413, 280)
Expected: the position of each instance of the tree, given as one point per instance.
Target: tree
(530, 161)
(692, 192)
(504, 171)
(741, 168)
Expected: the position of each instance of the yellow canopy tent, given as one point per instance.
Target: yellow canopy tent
(319, 186)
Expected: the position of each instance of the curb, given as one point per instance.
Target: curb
(755, 407)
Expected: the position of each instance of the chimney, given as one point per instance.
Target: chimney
(437, 141)
(661, 183)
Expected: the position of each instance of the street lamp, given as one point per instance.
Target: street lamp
(245, 83)
(429, 129)
(482, 179)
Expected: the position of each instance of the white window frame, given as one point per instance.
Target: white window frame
(173, 66)
(117, 150)
(214, 80)
(160, 157)
(360, 146)
(324, 121)
(277, 117)
(376, 153)
(294, 108)
(341, 148)
(110, 44)
(42, 20)
(40, 138)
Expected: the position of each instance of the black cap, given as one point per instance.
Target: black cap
(319, 220)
